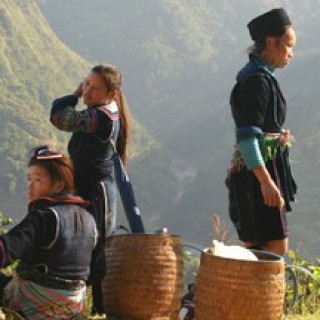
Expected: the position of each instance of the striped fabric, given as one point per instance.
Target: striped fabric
(72, 120)
(36, 302)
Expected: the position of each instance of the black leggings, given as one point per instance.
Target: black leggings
(4, 280)
(97, 299)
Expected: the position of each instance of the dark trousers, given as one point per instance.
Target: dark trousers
(98, 269)
(4, 280)
(102, 197)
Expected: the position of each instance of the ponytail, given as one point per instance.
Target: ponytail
(113, 81)
(125, 127)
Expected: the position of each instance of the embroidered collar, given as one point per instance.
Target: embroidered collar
(55, 200)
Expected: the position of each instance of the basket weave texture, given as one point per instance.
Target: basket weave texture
(144, 277)
(228, 289)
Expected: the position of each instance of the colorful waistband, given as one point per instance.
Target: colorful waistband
(270, 144)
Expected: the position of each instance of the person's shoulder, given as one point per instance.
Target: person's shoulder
(259, 75)
(40, 213)
(47, 203)
(41, 218)
(257, 81)
(110, 110)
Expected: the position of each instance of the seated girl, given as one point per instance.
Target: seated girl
(53, 242)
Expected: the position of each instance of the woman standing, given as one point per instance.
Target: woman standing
(260, 180)
(100, 136)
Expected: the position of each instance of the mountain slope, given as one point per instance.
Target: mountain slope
(179, 59)
(35, 67)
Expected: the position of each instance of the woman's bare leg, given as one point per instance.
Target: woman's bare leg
(279, 247)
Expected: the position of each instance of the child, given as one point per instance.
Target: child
(54, 243)
(99, 132)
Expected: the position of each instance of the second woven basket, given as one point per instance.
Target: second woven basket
(229, 289)
(144, 277)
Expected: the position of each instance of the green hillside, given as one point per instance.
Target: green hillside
(180, 59)
(35, 67)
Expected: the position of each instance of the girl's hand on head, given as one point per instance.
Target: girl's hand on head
(79, 91)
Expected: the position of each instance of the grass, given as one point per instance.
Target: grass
(304, 317)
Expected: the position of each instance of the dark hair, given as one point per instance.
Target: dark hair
(58, 166)
(259, 46)
(113, 81)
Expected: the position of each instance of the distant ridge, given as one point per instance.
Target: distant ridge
(35, 67)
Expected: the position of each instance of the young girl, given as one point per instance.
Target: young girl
(261, 184)
(54, 243)
(99, 132)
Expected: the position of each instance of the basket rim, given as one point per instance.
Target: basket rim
(277, 258)
(166, 235)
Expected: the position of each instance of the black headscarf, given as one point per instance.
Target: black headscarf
(272, 23)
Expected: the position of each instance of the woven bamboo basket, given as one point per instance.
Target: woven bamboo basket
(144, 276)
(228, 289)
